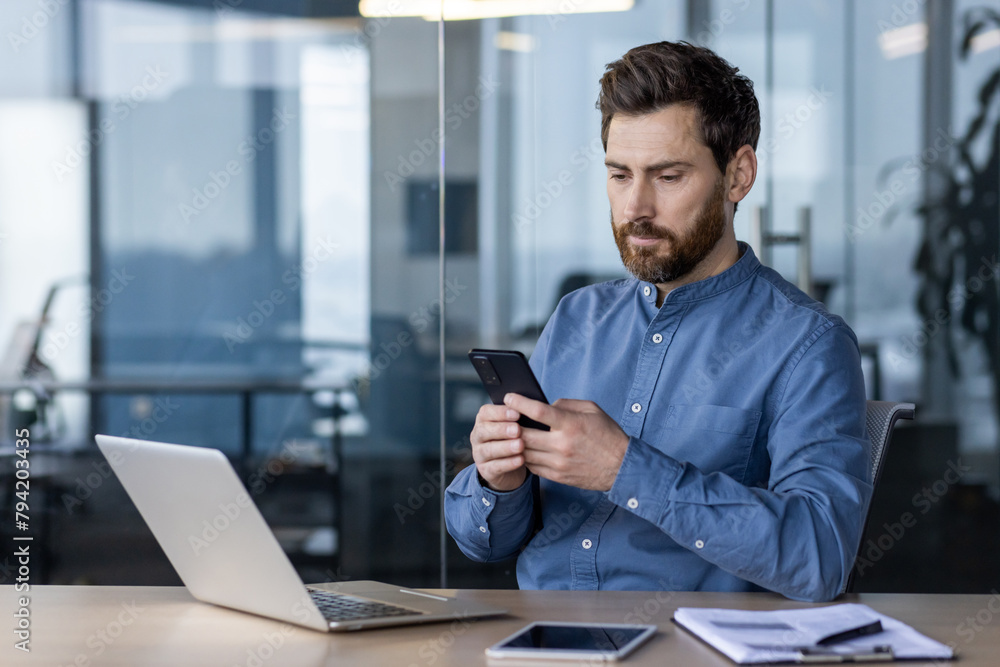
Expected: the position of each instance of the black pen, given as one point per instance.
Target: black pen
(861, 631)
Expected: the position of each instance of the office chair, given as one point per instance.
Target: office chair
(880, 418)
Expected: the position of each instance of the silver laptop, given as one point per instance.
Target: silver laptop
(215, 537)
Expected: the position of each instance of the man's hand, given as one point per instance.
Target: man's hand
(584, 448)
(497, 448)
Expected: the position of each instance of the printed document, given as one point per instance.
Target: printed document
(837, 633)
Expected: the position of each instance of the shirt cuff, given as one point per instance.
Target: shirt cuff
(644, 479)
(499, 503)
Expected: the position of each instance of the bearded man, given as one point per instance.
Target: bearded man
(710, 428)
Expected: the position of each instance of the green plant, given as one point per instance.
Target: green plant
(962, 224)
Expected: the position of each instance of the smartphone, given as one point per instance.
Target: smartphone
(507, 372)
(572, 641)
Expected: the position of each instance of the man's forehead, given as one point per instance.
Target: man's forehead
(675, 129)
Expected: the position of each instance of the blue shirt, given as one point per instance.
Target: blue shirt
(748, 461)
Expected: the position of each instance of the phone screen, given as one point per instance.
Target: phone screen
(574, 638)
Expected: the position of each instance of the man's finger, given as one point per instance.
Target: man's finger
(497, 467)
(498, 449)
(544, 471)
(497, 413)
(491, 431)
(540, 412)
(534, 458)
(536, 439)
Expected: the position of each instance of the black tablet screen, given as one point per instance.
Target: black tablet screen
(574, 638)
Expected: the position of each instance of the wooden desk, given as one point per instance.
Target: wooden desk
(142, 626)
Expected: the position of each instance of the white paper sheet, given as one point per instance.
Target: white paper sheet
(790, 635)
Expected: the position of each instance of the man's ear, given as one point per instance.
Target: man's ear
(742, 172)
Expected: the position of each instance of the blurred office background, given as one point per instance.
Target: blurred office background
(220, 225)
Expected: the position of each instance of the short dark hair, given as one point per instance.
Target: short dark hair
(651, 77)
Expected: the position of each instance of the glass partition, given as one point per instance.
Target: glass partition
(866, 110)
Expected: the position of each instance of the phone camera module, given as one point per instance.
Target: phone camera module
(486, 371)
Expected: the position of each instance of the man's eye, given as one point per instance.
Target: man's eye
(618, 177)
(669, 178)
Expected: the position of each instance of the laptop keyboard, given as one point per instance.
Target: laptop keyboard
(340, 607)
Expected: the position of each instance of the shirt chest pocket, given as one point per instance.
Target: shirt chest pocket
(715, 438)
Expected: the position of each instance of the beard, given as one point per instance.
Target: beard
(684, 253)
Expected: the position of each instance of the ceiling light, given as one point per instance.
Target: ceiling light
(514, 41)
(985, 41)
(459, 10)
(905, 41)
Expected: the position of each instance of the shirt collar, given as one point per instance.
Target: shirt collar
(745, 267)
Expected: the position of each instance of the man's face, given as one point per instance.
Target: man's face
(668, 202)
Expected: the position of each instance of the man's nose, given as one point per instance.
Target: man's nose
(640, 201)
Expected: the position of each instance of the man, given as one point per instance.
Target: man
(710, 427)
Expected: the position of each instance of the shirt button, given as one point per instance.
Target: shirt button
(632, 503)
(657, 338)
(647, 290)
(587, 544)
(699, 544)
(486, 502)
(636, 407)
(482, 529)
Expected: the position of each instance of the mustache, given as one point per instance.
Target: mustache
(645, 229)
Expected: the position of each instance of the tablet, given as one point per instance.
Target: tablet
(572, 641)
